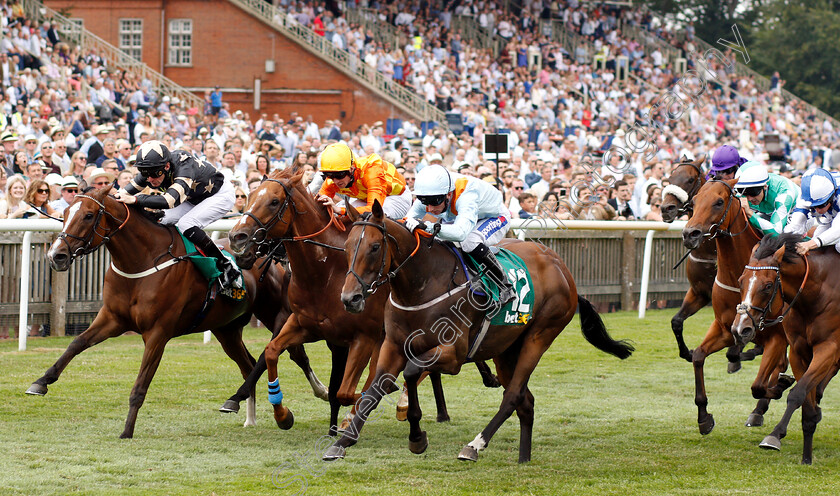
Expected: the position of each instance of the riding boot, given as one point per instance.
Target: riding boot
(229, 277)
(485, 257)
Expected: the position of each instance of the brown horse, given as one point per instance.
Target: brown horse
(156, 296)
(808, 285)
(718, 215)
(281, 210)
(685, 181)
(426, 329)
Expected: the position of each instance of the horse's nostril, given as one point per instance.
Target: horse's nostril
(356, 298)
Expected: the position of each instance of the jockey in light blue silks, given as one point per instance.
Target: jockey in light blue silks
(820, 202)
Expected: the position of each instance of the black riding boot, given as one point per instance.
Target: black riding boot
(485, 257)
(230, 273)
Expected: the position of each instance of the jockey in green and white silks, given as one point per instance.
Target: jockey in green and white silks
(767, 198)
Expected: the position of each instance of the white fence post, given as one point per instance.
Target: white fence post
(645, 274)
(25, 261)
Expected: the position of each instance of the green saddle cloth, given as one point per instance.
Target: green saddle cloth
(207, 267)
(519, 310)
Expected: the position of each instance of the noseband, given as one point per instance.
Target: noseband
(714, 229)
(743, 308)
(87, 241)
(688, 205)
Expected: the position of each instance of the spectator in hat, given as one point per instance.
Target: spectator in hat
(9, 142)
(30, 146)
(100, 178)
(93, 148)
(69, 189)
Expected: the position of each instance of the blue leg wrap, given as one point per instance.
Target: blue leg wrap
(275, 396)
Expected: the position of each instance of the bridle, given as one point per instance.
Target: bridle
(381, 276)
(714, 229)
(743, 308)
(87, 241)
(688, 206)
(264, 246)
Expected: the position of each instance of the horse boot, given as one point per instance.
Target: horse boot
(485, 257)
(229, 277)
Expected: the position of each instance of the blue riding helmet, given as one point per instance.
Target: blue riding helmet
(818, 187)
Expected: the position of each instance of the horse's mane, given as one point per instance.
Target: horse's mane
(770, 244)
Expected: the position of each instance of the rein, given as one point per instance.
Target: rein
(716, 226)
(743, 308)
(87, 241)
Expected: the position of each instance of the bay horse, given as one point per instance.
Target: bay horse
(701, 266)
(281, 210)
(426, 329)
(777, 274)
(155, 295)
(718, 215)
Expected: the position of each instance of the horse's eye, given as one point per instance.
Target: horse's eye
(275, 202)
(89, 216)
(719, 203)
(767, 287)
(374, 247)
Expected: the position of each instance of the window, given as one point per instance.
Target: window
(131, 37)
(180, 42)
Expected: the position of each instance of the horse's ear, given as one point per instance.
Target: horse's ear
(754, 249)
(298, 175)
(780, 253)
(352, 212)
(265, 176)
(700, 160)
(102, 193)
(376, 210)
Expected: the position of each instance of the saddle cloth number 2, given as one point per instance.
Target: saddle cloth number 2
(514, 277)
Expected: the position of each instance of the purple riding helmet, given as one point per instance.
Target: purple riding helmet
(725, 158)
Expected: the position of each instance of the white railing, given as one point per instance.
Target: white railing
(520, 227)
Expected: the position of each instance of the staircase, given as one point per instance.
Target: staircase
(114, 57)
(404, 98)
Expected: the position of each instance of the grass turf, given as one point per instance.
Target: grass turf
(602, 427)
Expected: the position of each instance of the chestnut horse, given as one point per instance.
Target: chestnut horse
(685, 181)
(155, 296)
(718, 215)
(281, 210)
(777, 273)
(426, 329)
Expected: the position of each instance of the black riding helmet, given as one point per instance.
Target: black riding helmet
(152, 157)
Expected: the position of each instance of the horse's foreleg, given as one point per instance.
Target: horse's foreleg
(717, 338)
(391, 362)
(104, 326)
(440, 400)
(357, 359)
(291, 334)
(155, 343)
(230, 337)
(692, 303)
(822, 365)
(417, 439)
(339, 363)
(299, 356)
(773, 363)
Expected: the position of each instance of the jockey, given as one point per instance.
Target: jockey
(365, 179)
(767, 198)
(472, 211)
(725, 163)
(820, 202)
(196, 195)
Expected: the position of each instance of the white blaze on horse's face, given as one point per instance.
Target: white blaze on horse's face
(71, 212)
(260, 194)
(742, 317)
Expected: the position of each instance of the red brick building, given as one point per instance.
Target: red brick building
(203, 43)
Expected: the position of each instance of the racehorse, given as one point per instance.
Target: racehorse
(718, 215)
(281, 210)
(809, 285)
(148, 291)
(426, 329)
(685, 181)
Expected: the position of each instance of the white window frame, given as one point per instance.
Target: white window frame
(131, 37)
(180, 43)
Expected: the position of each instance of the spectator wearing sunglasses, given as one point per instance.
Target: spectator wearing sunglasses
(100, 178)
(819, 201)
(37, 202)
(364, 179)
(195, 195)
(69, 190)
(767, 198)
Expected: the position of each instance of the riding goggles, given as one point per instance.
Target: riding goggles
(432, 200)
(753, 191)
(336, 174)
(153, 173)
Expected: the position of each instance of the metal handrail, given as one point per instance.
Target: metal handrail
(113, 56)
(389, 35)
(344, 61)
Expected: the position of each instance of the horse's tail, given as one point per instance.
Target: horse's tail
(597, 335)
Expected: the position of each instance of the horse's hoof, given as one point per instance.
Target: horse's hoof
(492, 381)
(443, 418)
(322, 393)
(733, 367)
(805, 461)
(287, 422)
(333, 453)
(126, 435)
(402, 413)
(771, 443)
(786, 381)
(707, 425)
(755, 420)
(37, 389)
(230, 406)
(468, 454)
(418, 447)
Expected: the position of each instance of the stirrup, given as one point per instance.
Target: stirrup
(229, 278)
(506, 294)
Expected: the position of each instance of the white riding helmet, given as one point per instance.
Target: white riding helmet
(818, 187)
(433, 180)
(751, 175)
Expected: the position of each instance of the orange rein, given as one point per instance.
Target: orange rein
(332, 222)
